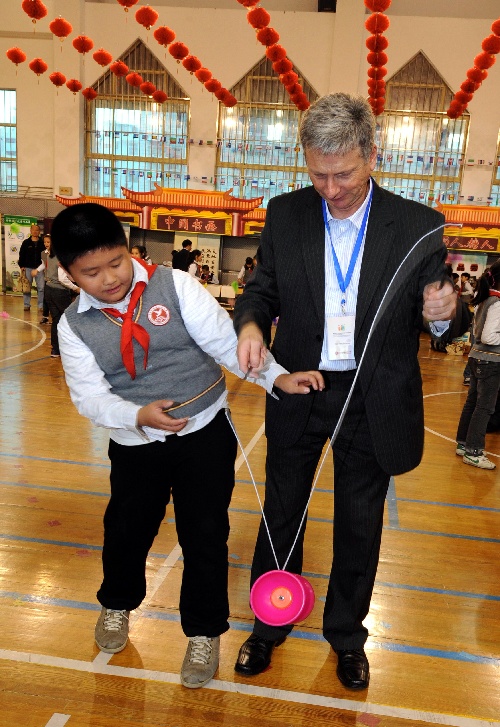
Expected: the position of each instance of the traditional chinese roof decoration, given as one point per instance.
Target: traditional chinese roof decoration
(257, 215)
(112, 203)
(192, 199)
(487, 217)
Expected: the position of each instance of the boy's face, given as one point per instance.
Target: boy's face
(104, 274)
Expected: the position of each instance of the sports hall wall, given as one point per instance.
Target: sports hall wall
(328, 48)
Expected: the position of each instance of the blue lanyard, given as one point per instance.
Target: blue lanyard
(344, 283)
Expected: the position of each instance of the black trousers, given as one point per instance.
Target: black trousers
(360, 488)
(57, 300)
(198, 469)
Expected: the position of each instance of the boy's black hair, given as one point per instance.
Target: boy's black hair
(83, 228)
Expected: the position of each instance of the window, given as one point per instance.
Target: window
(494, 198)
(8, 142)
(131, 141)
(421, 151)
(259, 153)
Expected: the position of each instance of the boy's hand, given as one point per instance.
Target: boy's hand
(300, 382)
(153, 415)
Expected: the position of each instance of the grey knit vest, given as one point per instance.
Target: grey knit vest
(51, 276)
(479, 350)
(177, 369)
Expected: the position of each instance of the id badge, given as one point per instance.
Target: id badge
(340, 330)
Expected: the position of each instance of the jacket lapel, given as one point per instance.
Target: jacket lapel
(313, 251)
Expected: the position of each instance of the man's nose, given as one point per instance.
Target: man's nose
(331, 187)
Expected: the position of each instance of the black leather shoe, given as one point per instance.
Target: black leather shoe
(353, 669)
(255, 655)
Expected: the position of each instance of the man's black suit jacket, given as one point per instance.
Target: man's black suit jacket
(289, 282)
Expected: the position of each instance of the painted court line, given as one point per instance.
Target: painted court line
(347, 705)
(58, 720)
(29, 350)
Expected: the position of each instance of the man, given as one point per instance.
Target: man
(180, 260)
(327, 256)
(30, 262)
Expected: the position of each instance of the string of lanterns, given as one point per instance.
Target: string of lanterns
(477, 74)
(259, 19)
(377, 43)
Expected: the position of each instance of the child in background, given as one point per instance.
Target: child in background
(140, 253)
(125, 374)
(45, 257)
(484, 369)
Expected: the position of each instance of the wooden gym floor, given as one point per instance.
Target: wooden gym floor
(434, 647)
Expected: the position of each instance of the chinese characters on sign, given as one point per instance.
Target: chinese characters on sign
(191, 224)
(488, 244)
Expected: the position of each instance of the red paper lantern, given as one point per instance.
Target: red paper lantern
(89, 93)
(376, 43)
(484, 60)
(491, 44)
(496, 27)
(268, 36)
(222, 94)
(147, 88)
(213, 85)
(455, 108)
(249, 3)
(35, 9)
(258, 18)
(275, 53)
(377, 6)
(134, 79)
(376, 83)
(298, 97)
(83, 44)
(119, 68)
(16, 55)
(160, 96)
(73, 85)
(178, 51)
(146, 16)
(289, 78)
(38, 66)
(294, 88)
(102, 57)
(191, 64)
(377, 72)
(377, 92)
(377, 23)
(477, 75)
(203, 75)
(377, 59)
(469, 86)
(164, 35)
(303, 106)
(126, 4)
(282, 66)
(230, 101)
(463, 98)
(58, 79)
(60, 28)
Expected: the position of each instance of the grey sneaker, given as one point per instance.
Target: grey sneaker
(201, 661)
(478, 459)
(460, 450)
(111, 630)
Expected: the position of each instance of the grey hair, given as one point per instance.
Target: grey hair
(338, 123)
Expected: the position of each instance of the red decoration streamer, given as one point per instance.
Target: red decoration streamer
(213, 85)
(146, 16)
(57, 78)
(134, 79)
(203, 75)
(376, 43)
(164, 35)
(283, 66)
(102, 57)
(377, 23)
(268, 36)
(89, 93)
(191, 64)
(275, 53)
(16, 55)
(119, 68)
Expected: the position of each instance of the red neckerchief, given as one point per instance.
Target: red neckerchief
(494, 293)
(130, 328)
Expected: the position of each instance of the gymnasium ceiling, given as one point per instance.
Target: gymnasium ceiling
(489, 9)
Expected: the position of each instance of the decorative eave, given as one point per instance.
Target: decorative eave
(487, 217)
(117, 204)
(258, 215)
(192, 199)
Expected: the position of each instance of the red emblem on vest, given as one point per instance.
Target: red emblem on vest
(159, 315)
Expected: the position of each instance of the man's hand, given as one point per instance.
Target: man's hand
(440, 301)
(251, 351)
(34, 273)
(300, 382)
(153, 415)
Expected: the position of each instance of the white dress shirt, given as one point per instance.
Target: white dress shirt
(206, 322)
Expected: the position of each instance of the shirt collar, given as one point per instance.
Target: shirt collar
(357, 217)
(87, 301)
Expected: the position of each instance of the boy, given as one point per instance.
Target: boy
(125, 344)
